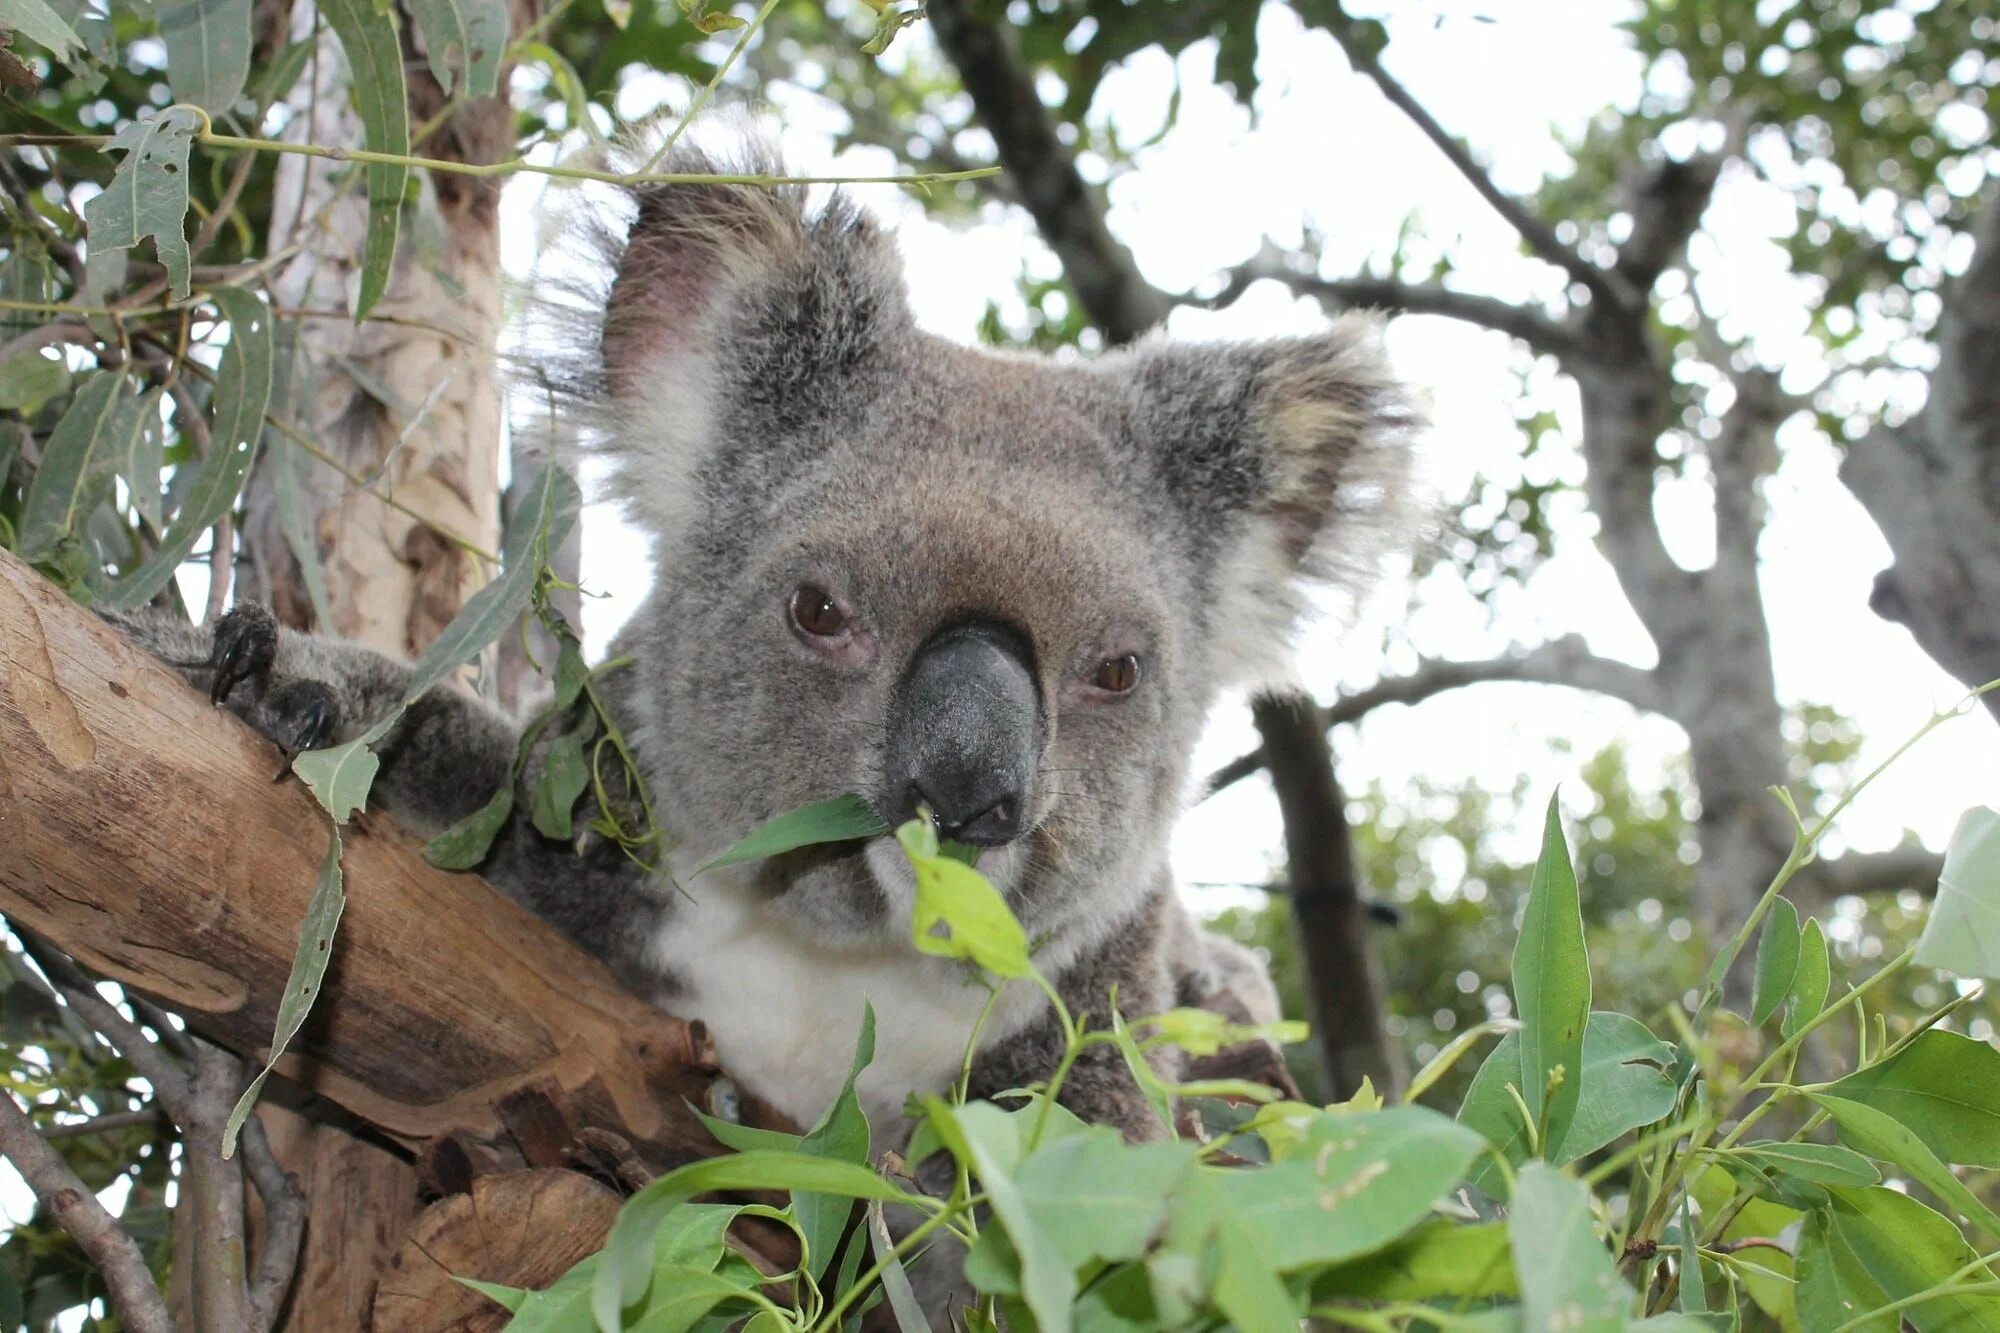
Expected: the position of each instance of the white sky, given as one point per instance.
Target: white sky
(1327, 151)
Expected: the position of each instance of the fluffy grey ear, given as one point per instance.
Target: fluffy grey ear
(1291, 460)
(730, 298)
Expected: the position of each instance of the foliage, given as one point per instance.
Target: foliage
(1622, 1163)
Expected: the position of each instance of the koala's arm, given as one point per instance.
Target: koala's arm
(443, 759)
(1100, 1087)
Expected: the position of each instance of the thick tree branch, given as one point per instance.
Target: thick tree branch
(70, 1204)
(1066, 209)
(284, 1223)
(1876, 872)
(445, 998)
(1398, 297)
(214, 1185)
(1566, 661)
(1540, 237)
(1666, 205)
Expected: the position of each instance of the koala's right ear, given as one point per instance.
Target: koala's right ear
(727, 293)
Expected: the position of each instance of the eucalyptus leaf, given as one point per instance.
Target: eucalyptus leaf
(1962, 935)
(1887, 1139)
(466, 843)
(208, 50)
(958, 912)
(28, 379)
(1566, 1274)
(464, 40)
(841, 819)
(1552, 990)
(1439, 1259)
(1777, 961)
(565, 773)
(302, 984)
(1874, 1246)
(1810, 982)
(840, 1134)
(903, 1301)
(368, 35)
(242, 392)
(37, 22)
(148, 194)
(341, 776)
(1945, 1087)
(75, 458)
(987, 1140)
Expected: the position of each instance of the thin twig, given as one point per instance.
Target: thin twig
(103, 1124)
(70, 1205)
(169, 1080)
(221, 568)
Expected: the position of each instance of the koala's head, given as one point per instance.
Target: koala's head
(992, 585)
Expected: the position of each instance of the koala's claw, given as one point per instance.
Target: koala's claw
(301, 715)
(245, 647)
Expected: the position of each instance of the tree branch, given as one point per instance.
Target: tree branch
(1540, 237)
(1066, 209)
(1566, 661)
(1392, 294)
(215, 1193)
(70, 1204)
(169, 1080)
(284, 1223)
(1876, 872)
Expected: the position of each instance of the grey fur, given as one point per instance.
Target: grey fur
(773, 417)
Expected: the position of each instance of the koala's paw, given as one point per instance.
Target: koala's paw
(297, 714)
(245, 647)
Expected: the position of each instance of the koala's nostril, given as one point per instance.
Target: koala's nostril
(996, 824)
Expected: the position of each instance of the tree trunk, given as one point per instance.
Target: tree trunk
(1933, 484)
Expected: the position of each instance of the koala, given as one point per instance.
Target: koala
(1001, 588)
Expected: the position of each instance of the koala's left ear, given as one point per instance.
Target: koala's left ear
(1290, 459)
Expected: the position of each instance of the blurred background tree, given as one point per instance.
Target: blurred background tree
(1772, 251)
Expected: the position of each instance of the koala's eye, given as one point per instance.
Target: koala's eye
(816, 613)
(1117, 675)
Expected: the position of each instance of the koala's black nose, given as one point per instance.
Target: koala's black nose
(964, 735)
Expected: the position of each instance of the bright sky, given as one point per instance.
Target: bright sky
(1326, 151)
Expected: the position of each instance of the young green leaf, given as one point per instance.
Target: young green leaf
(565, 774)
(1246, 1290)
(841, 1134)
(242, 391)
(144, 448)
(1883, 1137)
(1945, 1087)
(1777, 961)
(367, 34)
(1810, 982)
(1962, 935)
(1439, 1259)
(208, 50)
(73, 461)
(1093, 1196)
(840, 819)
(1871, 1247)
(1694, 1287)
(302, 984)
(952, 896)
(988, 1140)
(1566, 1275)
(148, 194)
(626, 1273)
(466, 843)
(28, 379)
(341, 776)
(1552, 990)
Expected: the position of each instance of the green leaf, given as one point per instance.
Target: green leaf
(1119, 1302)
(747, 1138)
(1246, 1289)
(302, 984)
(1777, 961)
(1810, 982)
(1944, 1087)
(1870, 1247)
(841, 1134)
(144, 457)
(571, 673)
(1623, 1090)
(511, 1297)
(288, 465)
(242, 392)
(626, 1273)
(895, 1282)
(375, 56)
(1962, 935)
(1363, 1181)
(28, 379)
(1205, 1032)
(565, 774)
(1552, 990)
(1694, 1286)
(1883, 1137)
(708, 20)
(986, 1139)
(74, 461)
(148, 194)
(208, 50)
(1094, 1196)
(1793, 1173)
(838, 820)
(1566, 1274)
(547, 512)
(466, 843)
(953, 897)
(37, 22)
(1441, 1258)
(341, 776)
(463, 38)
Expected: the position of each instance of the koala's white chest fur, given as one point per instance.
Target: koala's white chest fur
(786, 1007)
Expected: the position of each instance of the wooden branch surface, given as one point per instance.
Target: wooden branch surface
(141, 831)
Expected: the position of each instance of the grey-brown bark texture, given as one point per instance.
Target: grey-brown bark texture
(1116, 298)
(1933, 484)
